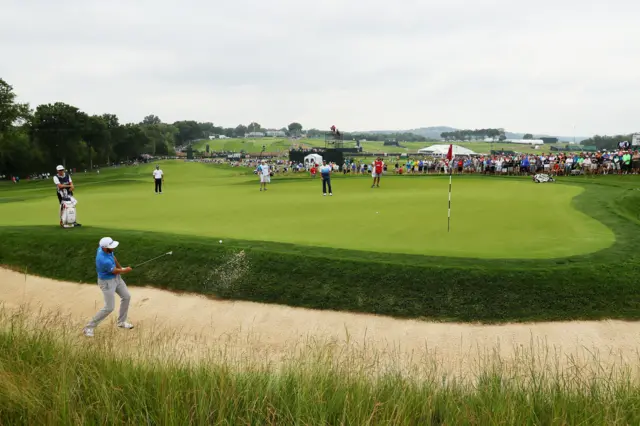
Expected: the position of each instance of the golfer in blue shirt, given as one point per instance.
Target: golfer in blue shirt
(110, 282)
(325, 172)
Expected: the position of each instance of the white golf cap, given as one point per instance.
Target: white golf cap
(60, 168)
(107, 242)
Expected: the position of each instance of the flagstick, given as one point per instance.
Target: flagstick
(449, 214)
(449, 161)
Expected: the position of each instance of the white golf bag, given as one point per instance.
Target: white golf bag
(543, 178)
(68, 212)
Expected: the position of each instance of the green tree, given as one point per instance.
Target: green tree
(606, 142)
(528, 136)
(162, 138)
(207, 129)
(151, 119)
(132, 142)
(58, 130)
(12, 113)
(240, 131)
(254, 127)
(295, 128)
(493, 133)
(188, 130)
(96, 135)
(115, 134)
(17, 153)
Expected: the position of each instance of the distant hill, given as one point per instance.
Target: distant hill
(435, 131)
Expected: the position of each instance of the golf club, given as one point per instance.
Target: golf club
(169, 253)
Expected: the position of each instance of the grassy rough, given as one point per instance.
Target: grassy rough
(48, 378)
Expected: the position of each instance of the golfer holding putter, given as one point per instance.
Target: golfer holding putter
(110, 282)
(325, 172)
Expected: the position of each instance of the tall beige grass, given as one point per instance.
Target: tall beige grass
(50, 374)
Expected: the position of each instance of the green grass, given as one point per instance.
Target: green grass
(47, 377)
(491, 218)
(298, 249)
(251, 145)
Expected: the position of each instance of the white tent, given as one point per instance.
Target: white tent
(444, 149)
(312, 159)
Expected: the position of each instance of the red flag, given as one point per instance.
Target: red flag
(450, 153)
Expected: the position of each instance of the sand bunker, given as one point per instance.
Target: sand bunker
(260, 331)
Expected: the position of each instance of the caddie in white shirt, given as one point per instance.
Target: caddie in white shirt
(158, 176)
(265, 175)
(64, 190)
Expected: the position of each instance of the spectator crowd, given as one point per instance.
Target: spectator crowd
(555, 164)
(560, 164)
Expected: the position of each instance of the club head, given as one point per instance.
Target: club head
(170, 253)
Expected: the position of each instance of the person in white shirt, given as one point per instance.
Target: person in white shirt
(158, 177)
(586, 165)
(64, 189)
(265, 175)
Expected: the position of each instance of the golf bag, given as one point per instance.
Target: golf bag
(68, 214)
(542, 178)
(67, 209)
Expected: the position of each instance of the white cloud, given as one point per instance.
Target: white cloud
(360, 64)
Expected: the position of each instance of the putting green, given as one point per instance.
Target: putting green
(491, 218)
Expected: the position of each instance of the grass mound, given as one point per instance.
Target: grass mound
(48, 377)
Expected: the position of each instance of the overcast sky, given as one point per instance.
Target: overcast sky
(530, 66)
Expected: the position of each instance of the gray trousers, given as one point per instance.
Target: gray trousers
(109, 289)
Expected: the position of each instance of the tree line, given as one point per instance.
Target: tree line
(293, 129)
(35, 141)
(606, 142)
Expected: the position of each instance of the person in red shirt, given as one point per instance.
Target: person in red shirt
(378, 167)
(314, 170)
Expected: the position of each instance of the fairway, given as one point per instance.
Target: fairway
(492, 217)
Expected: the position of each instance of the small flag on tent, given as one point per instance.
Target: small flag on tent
(449, 158)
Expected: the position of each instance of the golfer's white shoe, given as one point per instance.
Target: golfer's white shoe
(88, 331)
(125, 325)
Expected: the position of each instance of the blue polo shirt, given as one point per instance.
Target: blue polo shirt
(105, 264)
(325, 171)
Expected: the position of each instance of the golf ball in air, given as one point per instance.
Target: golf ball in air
(220, 241)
